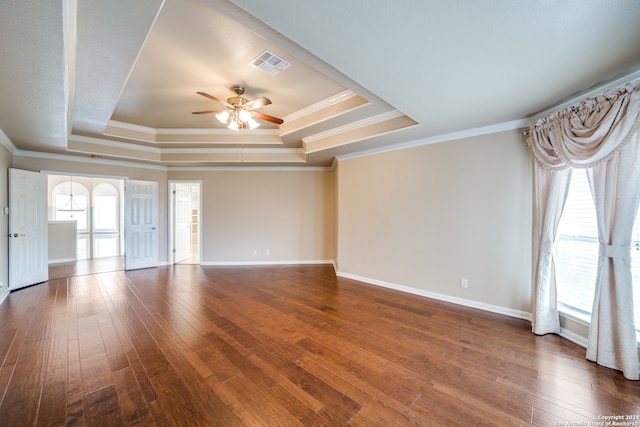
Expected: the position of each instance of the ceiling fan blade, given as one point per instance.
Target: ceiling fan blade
(257, 103)
(207, 112)
(213, 98)
(267, 118)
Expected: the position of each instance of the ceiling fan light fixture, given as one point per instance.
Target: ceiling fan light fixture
(244, 115)
(252, 123)
(239, 112)
(223, 117)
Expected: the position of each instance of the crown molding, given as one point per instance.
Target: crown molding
(7, 143)
(116, 144)
(320, 105)
(227, 150)
(187, 131)
(598, 90)
(249, 169)
(151, 135)
(83, 159)
(483, 130)
(353, 126)
(160, 151)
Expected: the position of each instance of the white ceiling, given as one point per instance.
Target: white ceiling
(118, 79)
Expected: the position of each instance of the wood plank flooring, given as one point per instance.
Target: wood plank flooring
(282, 346)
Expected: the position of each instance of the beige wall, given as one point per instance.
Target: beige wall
(426, 217)
(5, 164)
(419, 219)
(289, 213)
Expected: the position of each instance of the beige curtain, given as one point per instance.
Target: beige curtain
(615, 186)
(599, 134)
(545, 305)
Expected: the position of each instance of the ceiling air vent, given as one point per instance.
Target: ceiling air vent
(269, 63)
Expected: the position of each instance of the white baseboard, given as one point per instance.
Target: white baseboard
(60, 261)
(3, 295)
(441, 297)
(573, 337)
(249, 263)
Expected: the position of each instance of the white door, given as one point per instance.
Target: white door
(141, 224)
(182, 227)
(28, 229)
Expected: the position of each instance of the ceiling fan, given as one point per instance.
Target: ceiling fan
(239, 111)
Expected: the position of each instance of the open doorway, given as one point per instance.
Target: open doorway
(86, 224)
(184, 220)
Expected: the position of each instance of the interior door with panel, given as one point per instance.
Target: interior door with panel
(182, 227)
(141, 224)
(28, 229)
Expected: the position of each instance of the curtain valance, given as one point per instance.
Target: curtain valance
(583, 135)
(601, 134)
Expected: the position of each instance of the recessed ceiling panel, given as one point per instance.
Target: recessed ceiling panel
(193, 48)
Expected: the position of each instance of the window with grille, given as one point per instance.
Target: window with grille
(577, 249)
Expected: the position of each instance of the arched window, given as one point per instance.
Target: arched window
(70, 203)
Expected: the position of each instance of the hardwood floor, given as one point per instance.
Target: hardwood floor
(282, 346)
(85, 266)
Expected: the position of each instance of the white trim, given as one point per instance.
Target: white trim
(573, 337)
(441, 297)
(250, 168)
(369, 121)
(152, 133)
(70, 34)
(205, 131)
(320, 105)
(468, 133)
(133, 164)
(250, 263)
(83, 175)
(4, 295)
(116, 144)
(82, 159)
(160, 151)
(133, 127)
(59, 261)
(7, 143)
(265, 150)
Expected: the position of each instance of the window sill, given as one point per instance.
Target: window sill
(582, 318)
(574, 315)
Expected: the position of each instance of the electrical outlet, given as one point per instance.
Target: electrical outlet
(464, 283)
(255, 252)
(268, 251)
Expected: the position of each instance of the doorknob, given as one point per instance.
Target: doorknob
(17, 235)
(154, 228)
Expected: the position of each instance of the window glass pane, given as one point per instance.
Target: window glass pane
(577, 247)
(105, 245)
(83, 247)
(577, 250)
(105, 210)
(105, 207)
(61, 204)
